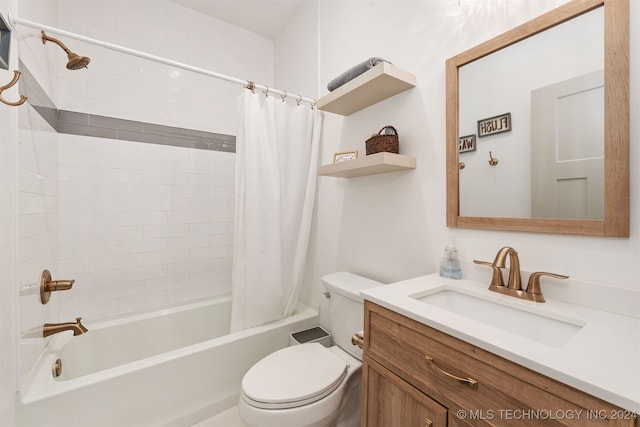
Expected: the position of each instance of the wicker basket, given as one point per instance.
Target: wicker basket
(383, 142)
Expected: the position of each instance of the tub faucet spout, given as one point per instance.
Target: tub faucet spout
(53, 328)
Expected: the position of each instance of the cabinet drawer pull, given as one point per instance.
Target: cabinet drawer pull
(468, 381)
(428, 422)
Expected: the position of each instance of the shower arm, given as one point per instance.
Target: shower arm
(246, 83)
(46, 38)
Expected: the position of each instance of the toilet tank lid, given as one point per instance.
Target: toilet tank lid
(348, 284)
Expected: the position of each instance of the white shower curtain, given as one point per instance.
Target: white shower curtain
(276, 162)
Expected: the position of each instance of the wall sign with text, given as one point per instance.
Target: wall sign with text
(495, 124)
(466, 143)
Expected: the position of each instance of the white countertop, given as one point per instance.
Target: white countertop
(601, 359)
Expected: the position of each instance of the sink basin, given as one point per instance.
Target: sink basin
(548, 329)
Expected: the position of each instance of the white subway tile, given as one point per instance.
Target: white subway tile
(108, 285)
(31, 203)
(76, 157)
(109, 175)
(212, 228)
(166, 230)
(185, 293)
(221, 216)
(185, 191)
(73, 266)
(222, 239)
(142, 245)
(149, 190)
(188, 242)
(167, 283)
(147, 204)
(74, 234)
(187, 217)
(144, 300)
(188, 267)
(141, 218)
(89, 310)
(36, 224)
(222, 192)
(210, 252)
(224, 205)
(184, 166)
(117, 232)
(128, 260)
(74, 173)
(178, 204)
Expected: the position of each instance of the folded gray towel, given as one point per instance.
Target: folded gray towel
(354, 72)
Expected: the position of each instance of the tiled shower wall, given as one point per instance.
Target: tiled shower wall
(136, 224)
(142, 225)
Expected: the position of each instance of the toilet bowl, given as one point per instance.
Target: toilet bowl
(301, 386)
(309, 385)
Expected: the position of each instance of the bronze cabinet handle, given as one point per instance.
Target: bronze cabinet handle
(468, 381)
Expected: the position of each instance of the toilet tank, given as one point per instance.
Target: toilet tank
(346, 307)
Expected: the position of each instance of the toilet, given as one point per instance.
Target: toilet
(309, 385)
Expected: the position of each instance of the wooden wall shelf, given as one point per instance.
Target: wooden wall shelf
(368, 165)
(379, 83)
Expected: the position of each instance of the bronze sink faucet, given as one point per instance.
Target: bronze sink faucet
(514, 283)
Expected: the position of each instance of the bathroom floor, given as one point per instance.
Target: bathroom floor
(228, 418)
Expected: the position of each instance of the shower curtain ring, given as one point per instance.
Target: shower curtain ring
(299, 100)
(284, 96)
(313, 104)
(266, 91)
(250, 85)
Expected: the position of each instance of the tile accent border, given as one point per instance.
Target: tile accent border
(74, 123)
(109, 127)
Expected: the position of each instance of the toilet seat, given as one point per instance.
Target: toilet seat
(293, 377)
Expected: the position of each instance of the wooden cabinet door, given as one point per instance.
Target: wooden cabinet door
(388, 401)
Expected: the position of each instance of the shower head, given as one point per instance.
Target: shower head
(76, 62)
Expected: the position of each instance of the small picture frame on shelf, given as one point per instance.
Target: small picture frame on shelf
(344, 156)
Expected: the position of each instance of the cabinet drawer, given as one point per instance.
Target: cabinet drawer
(472, 383)
(390, 401)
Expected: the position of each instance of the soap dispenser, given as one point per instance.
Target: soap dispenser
(450, 264)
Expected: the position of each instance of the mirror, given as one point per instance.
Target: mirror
(539, 117)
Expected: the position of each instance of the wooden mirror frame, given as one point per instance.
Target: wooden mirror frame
(616, 122)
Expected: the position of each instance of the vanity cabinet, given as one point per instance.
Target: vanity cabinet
(414, 375)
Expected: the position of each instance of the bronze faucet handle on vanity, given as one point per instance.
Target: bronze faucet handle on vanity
(47, 286)
(496, 279)
(533, 288)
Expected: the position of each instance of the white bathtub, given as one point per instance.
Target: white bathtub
(172, 367)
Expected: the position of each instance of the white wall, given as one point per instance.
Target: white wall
(297, 70)
(392, 226)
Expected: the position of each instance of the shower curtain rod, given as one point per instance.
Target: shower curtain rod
(246, 83)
